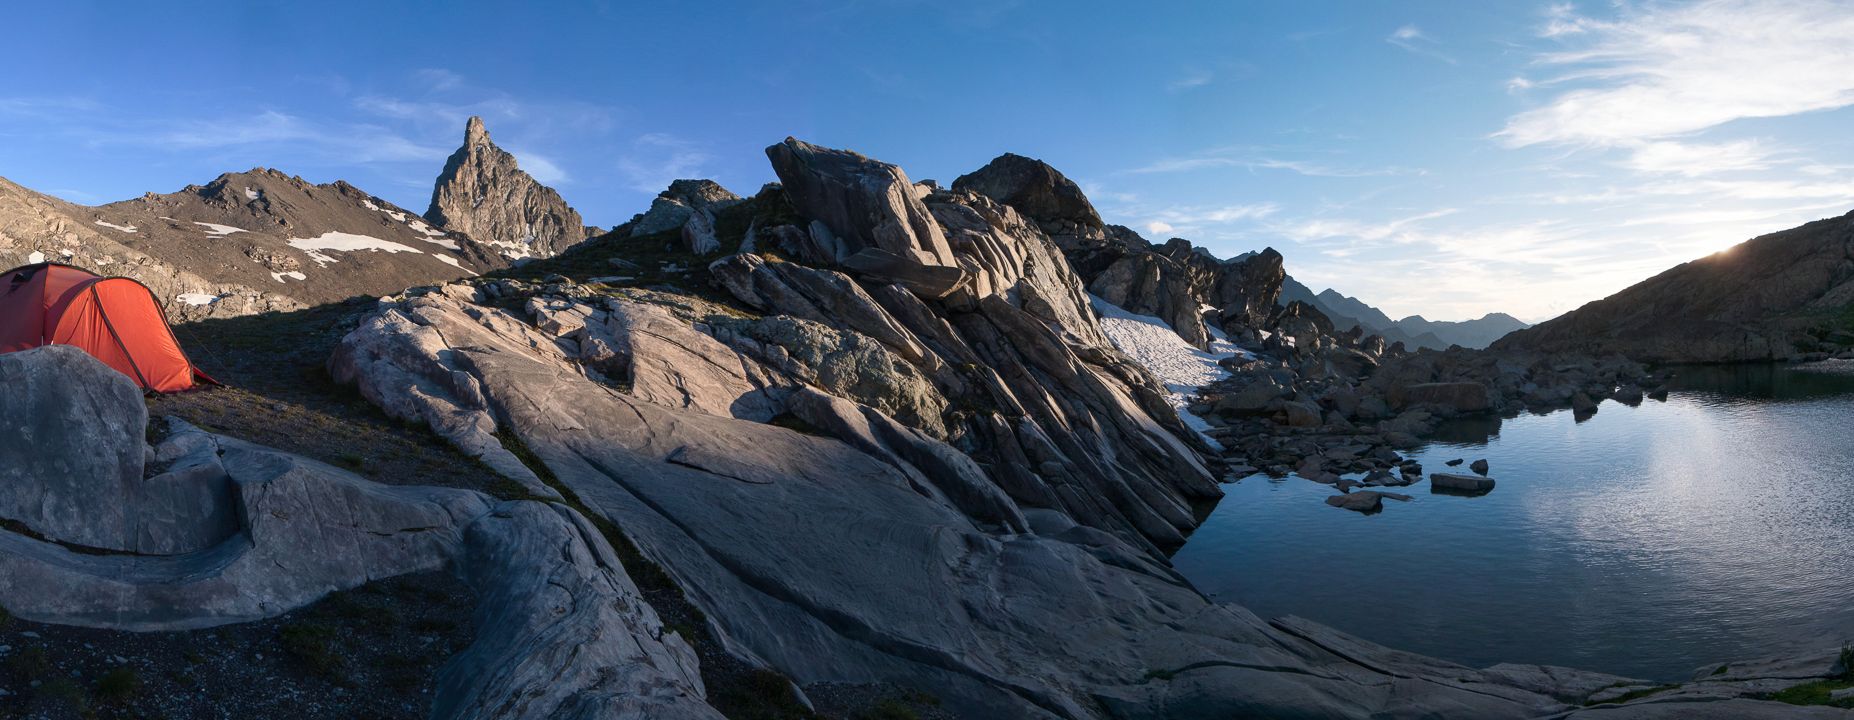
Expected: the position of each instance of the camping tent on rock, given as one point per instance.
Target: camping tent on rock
(114, 319)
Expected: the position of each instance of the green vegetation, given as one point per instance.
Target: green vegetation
(6, 618)
(118, 686)
(313, 645)
(757, 694)
(889, 709)
(1815, 693)
(29, 662)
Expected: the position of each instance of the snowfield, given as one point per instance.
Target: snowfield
(1179, 366)
(277, 276)
(124, 228)
(451, 261)
(197, 299)
(345, 242)
(217, 230)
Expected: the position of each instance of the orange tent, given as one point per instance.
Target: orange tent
(116, 320)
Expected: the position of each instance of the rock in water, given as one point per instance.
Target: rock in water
(484, 194)
(1460, 483)
(1479, 466)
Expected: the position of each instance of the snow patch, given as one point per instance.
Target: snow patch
(124, 228)
(217, 230)
(451, 261)
(277, 276)
(252, 194)
(197, 299)
(35, 258)
(345, 242)
(1179, 366)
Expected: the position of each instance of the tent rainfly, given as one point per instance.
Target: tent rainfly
(115, 319)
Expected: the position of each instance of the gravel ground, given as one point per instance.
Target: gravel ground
(366, 653)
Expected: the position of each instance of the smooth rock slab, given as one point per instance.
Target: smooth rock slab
(1447, 482)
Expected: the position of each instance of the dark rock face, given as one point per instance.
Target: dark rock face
(676, 203)
(873, 220)
(1175, 282)
(484, 194)
(1034, 188)
(1771, 297)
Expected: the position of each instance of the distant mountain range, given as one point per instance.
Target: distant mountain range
(264, 240)
(1414, 331)
(1769, 298)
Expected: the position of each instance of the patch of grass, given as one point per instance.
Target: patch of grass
(1815, 693)
(6, 618)
(758, 694)
(1847, 662)
(313, 645)
(354, 460)
(889, 709)
(67, 692)
(404, 673)
(1721, 670)
(29, 663)
(118, 686)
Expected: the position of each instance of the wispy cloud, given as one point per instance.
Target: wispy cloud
(658, 158)
(1194, 78)
(1695, 159)
(1665, 70)
(1220, 159)
(540, 167)
(1412, 39)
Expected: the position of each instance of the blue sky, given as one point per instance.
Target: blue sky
(1445, 158)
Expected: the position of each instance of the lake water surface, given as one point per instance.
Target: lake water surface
(1642, 541)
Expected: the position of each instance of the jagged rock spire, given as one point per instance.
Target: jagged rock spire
(484, 194)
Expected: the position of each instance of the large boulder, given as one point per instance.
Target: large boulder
(1453, 397)
(72, 464)
(870, 207)
(562, 630)
(1034, 188)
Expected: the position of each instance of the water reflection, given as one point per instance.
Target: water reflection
(1646, 541)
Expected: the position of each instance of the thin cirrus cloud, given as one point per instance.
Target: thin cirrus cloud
(1412, 39)
(656, 159)
(1668, 70)
(1301, 167)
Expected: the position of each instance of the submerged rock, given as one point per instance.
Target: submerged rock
(1460, 483)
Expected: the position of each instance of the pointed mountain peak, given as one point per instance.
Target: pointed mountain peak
(484, 194)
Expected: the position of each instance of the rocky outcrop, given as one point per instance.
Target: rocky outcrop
(675, 206)
(823, 558)
(1769, 298)
(1034, 188)
(867, 216)
(482, 193)
(1191, 290)
(564, 633)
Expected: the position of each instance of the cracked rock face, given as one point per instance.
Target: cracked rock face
(852, 557)
(563, 631)
(485, 195)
